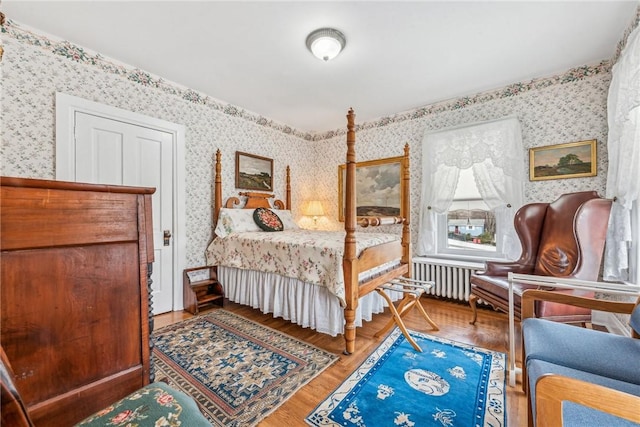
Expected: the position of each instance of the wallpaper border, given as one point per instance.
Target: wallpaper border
(623, 41)
(78, 54)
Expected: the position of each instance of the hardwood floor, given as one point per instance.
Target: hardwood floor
(490, 332)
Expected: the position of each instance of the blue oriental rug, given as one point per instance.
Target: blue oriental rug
(448, 384)
(237, 370)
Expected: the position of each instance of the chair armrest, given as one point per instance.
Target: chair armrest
(529, 297)
(552, 390)
(579, 301)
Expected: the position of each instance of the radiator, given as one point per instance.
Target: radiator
(451, 277)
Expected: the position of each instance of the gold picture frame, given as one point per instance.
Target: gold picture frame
(254, 172)
(570, 160)
(379, 188)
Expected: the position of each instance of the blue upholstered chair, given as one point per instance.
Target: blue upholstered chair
(576, 376)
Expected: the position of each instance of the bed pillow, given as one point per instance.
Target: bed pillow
(235, 221)
(224, 225)
(287, 219)
(267, 220)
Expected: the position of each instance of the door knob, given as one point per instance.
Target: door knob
(167, 237)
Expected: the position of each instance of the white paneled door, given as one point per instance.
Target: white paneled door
(113, 152)
(99, 144)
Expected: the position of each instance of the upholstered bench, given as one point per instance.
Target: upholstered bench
(609, 362)
(154, 405)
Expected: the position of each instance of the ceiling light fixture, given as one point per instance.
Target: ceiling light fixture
(326, 43)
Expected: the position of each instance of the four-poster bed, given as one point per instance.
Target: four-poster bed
(319, 279)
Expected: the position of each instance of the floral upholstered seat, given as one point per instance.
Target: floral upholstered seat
(154, 405)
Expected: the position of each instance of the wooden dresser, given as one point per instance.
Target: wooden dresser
(75, 313)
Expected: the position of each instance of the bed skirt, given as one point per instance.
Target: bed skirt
(305, 304)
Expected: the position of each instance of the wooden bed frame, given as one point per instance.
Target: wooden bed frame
(352, 264)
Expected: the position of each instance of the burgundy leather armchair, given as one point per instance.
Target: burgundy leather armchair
(564, 238)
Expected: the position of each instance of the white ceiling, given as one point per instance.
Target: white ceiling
(399, 55)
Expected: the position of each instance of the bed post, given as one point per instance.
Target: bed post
(350, 270)
(288, 193)
(406, 208)
(217, 193)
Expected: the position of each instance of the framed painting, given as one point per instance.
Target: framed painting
(379, 188)
(254, 172)
(571, 160)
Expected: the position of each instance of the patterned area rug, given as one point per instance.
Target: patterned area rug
(448, 384)
(237, 370)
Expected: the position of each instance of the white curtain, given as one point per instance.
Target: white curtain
(623, 178)
(494, 151)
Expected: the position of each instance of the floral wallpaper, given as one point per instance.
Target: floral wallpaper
(555, 114)
(552, 110)
(31, 75)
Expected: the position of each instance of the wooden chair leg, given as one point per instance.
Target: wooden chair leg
(474, 310)
(525, 375)
(529, 407)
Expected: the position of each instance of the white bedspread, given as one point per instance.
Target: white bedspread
(308, 255)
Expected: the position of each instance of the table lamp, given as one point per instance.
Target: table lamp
(314, 209)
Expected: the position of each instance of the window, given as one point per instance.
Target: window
(472, 185)
(468, 228)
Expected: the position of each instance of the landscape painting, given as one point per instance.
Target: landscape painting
(254, 172)
(572, 160)
(378, 188)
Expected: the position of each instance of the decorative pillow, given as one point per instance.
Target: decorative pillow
(267, 220)
(235, 221)
(287, 219)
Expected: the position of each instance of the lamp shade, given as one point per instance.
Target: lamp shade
(326, 43)
(314, 208)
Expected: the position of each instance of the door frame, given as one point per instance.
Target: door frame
(66, 108)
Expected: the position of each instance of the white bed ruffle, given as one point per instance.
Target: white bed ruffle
(305, 304)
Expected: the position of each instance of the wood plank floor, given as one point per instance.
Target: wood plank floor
(490, 332)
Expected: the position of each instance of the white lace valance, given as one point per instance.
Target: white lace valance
(499, 141)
